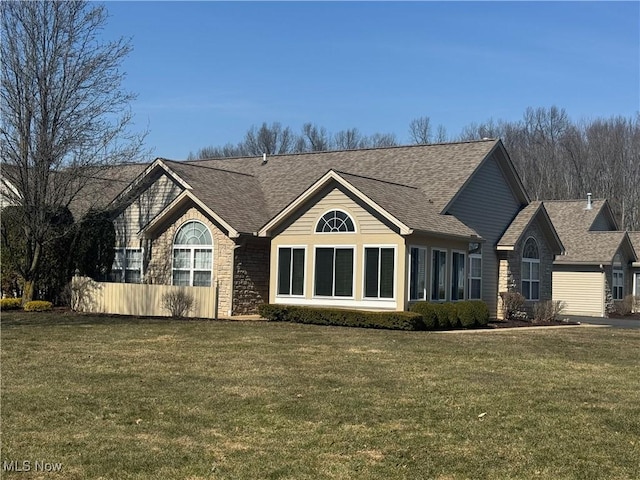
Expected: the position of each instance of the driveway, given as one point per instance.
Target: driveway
(612, 322)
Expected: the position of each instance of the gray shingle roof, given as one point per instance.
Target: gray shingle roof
(430, 175)
(519, 224)
(572, 222)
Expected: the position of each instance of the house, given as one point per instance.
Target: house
(597, 268)
(370, 229)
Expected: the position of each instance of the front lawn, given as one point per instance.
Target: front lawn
(130, 398)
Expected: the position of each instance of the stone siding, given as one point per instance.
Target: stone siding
(250, 275)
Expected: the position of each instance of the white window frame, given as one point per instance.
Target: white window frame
(474, 257)
(464, 275)
(617, 278)
(304, 272)
(425, 289)
(333, 280)
(315, 225)
(192, 248)
(379, 247)
(530, 279)
(122, 269)
(443, 282)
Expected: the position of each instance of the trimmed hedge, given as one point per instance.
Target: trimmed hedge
(10, 303)
(342, 318)
(467, 314)
(38, 306)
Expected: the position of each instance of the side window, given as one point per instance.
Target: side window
(475, 271)
(531, 270)
(438, 275)
(192, 255)
(291, 271)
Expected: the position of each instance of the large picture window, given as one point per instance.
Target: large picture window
(379, 272)
(438, 275)
(458, 276)
(418, 273)
(290, 271)
(333, 272)
(531, 270)
(475, 271)
(193, 255)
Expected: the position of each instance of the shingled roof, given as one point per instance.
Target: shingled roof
(247, 191)
(574, 223)
(522, 221)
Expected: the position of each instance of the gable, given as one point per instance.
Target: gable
(142, 208)
(488, 202)
(334, 197)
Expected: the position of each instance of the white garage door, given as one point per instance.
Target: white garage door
(583, 292)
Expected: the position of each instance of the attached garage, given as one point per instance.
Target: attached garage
(582, 291)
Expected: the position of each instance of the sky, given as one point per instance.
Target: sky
(206, 72)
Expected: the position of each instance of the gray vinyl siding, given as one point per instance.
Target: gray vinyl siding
(144, 209)
(488, 205)
(602, 223)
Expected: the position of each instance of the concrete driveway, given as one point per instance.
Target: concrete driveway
(612, 322)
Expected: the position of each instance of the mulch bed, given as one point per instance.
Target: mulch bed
(527, 323)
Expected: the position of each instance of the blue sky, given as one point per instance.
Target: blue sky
(205, 72)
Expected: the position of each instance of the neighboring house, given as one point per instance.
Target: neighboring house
(373, 229)
(597, 267)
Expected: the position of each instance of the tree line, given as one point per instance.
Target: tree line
(557, 158)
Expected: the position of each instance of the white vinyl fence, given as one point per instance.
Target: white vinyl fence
(138, 299)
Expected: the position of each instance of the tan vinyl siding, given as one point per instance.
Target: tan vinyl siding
(144, 209)
(334, 199)
(583, 292)
(488, 205)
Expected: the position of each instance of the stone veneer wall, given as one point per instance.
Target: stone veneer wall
(510, 268)
(158, 270)
(251, 275)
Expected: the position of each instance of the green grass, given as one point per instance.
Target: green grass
(117, 398)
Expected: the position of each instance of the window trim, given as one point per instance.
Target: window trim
(192, 249)
(617, 271)
(474, 256)
(394, 275)
(433, 274)
(426, 291)
(333, 280)
(464, 275)
(304, 272)
(123, 270)
(315, 226)
(531, 280)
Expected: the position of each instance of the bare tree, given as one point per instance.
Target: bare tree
(65, 116)
(378, 140)
(349, 139)
(420, 130)
(267, 139)
(315, 139)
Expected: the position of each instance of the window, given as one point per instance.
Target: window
(418, 273)
(335, 221)
(290, 271)
(379, 272)
(475, 271)
(334, 272)
(438, 274)
(531, 270)
(458, 276)
(192, 255)
(127, 266)
(618, 278)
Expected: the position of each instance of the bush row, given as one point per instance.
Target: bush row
(32, 306)
(423, 316)
(467, 314)
(340, 317)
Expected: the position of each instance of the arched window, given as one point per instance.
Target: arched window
(531, 270)
(192, 255)
(335, 221)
